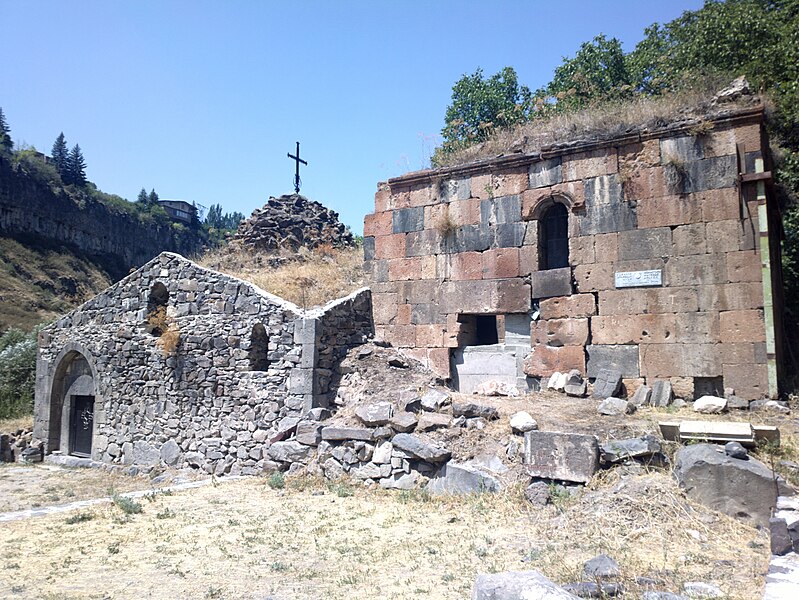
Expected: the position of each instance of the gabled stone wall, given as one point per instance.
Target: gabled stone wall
(201, 404)
(465, 240)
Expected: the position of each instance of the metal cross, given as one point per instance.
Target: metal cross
(297, 160)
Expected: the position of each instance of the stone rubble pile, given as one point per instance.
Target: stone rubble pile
(290, 222)
(13, 444)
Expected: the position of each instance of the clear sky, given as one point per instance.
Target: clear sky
(202, 100)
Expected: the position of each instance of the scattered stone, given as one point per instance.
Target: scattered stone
(615, 406)
(431, 421)
(662, 596)
(333, 433)
(589, 589)
(700, 589)
(557, 381)
(642, 396)
(400, 481)
(770, 405)
(317, 414)
(517, 585)
(170, 452)
(538, 493)
(364, 352)
(31, 455)
(475, 422)
(737, 89)
(472, 410)
(616, 451)
(781, 543)
(194, 459)
(309, 433)
(409, 401)
(712, 405)
(420, 449)
(678, 403)
(735, 450)
(743, 489)
(457, 478)
(404, 422)
(522, 422)
(382, 453)
(374, 415)
(487, 462)
(398, 363)
(601, 567)
(575, 385)
(434, 400)
(662, 394)
(561, 456)
(496, 388)
(735, 402)
(607, 383)
(289, 452)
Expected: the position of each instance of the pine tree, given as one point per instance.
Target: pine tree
(76, 167)
(60, 155)
(142, 198)
(153, 198)
(5, 139)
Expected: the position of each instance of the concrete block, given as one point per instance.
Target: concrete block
(622, 358)
(576, 305)
(561, 456)
(636, 244)
(545, 173)
(543, 361)
(551, 283)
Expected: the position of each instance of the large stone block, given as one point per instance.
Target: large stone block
(743, 266)
(683, 149)
(730, 296)
(702, 269)
(726, 236)
(633, 329)
(545, 360)
(379, 223)
(368, 248)
(408, 219)
(505, 209)
(689, 239)
(561, 456)
(423, 243)
(466, 265)
(663, 361)
(390, 246)
(594, 278)
(405, 269)
(545, 173)
(589, 164)
(460, 479)
(576, 305)
(750, 381)
(455, 189)
(470, 238)
(501, 263)
(605, 208)
(551, 283)
(620, 358)
(719, 205)
(710, 173)
(742, 326)
(560, 332)
(653, 242)
(509, 235)
(486, 297)
(581, 250)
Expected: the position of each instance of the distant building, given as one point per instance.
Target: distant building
(179, 210)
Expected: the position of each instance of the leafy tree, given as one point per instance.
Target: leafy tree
(5, 134)
(597, 72)
(17, 372)
(76, 167)
(60, 154)
(480, 106)
(152, 199)
(222, 221)
(142, 197)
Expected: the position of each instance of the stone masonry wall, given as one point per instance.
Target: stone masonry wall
(200, 406)
(464, 240)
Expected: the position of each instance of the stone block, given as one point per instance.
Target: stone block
(750, 381)
(309, 433)
(501, 263)
(289, 452)
(429, 421)
(621, 301)
(390, 246)
(407, 219)
(633, 329)
(605, 208)
(668, 211)
(594, 278)
(689, 239)
(426, 314)
(725, 236)
(742, 326)
(465, 212)
(595, 163)
(420, 449)
(653, 242)
(561, 456)
(455, 478)
(662, 394)
(509, 235)
(551, 283)
(645, 183)
(429, 336)
(423, 243)
(683, 149)
(576, 305)
(671, 300)
(642, 396)
(514, 585)
(545, 173)
(743, 266)
(508, 183)
(560, 332)
(422, 194)
(607, 383)
(581, 250)
(719, 205)
(489, 296)
(405, 269)
(466, 265)
(615, 406)
(504, 209)
(374, 415)
(620, 358)
(543, 361)
(379, 223)
(711, 173)
(662, 361)
(702, 269)
(455, 189)
(639, 155)
(730, 296)
(472, 238)
(334, 433)
(606, 247)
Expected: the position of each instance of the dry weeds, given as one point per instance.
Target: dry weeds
(315, 540)
(308, 278)
(15, 424)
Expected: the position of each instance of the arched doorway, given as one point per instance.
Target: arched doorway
(72, 404)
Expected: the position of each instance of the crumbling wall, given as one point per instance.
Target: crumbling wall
(465, 240)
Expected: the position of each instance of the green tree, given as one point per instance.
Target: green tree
(76, 167)
(142, 197)
(5, 134)
(480, 106)
(60, 154)
(152, 199)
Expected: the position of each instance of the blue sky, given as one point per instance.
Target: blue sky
(202, 100)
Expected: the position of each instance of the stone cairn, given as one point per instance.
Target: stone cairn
(290, 222)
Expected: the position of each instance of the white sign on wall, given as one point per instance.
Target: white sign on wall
(639, 278)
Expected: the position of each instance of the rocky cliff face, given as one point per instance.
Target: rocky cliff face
(290, 222)
(29, 206)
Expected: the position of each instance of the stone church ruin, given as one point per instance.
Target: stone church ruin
(655, 253)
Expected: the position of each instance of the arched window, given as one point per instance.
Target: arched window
(553, 236)
(259, 348)
(156, 309)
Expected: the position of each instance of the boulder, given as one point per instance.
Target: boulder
(420, 449)
(575, 385)
(561, 456)
(170, 452)
(472, 410)
(615, 406)
(487, 462)
(374, 415)
(289, 452)
(743, 489)
(434, 400)
(404, 422)
(309, 433)
(607, 383)
(601, 567)
(538, 493)
(710, 405)
(615, 451)
(431, 421)
(518, 585)
(770, 405)
(400, 481)
(522, 422)
(496, 388)
(454, 478)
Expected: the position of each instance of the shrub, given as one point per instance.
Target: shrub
(126, 505)
(17, 372)
(276, 481)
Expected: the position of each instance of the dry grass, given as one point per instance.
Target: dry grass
(308, 278)
(604, 121)
(15, 424)
(244, 539)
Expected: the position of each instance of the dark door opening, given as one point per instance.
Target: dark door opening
(81, 422)
(486, 330)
